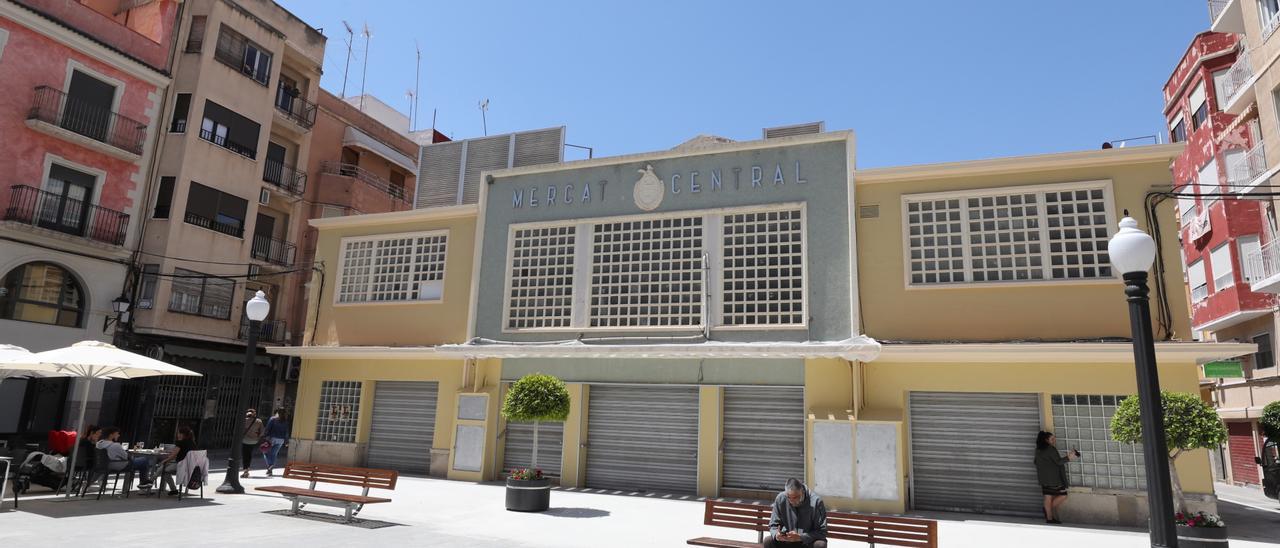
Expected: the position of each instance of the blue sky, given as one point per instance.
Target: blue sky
(918, 82)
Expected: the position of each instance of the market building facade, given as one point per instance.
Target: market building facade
(730, 314)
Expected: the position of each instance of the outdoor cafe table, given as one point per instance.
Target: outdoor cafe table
(151, 456)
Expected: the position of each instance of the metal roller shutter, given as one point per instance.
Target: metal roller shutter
(973, 452)
(1242, 450)
(643, 438)
(519, 446)
(763, 437)
(404, 423)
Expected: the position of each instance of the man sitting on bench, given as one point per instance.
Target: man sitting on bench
(799, 519)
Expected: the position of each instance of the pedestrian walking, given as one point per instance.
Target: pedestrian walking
(277, 432)
(1051, 471)
(253, 430)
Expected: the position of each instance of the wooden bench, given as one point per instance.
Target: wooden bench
(873, 530)
(338, 475)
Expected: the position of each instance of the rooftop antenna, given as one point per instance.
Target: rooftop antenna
(408, 94)
(433, 124)
(350, 38)
(365, 72)
(484, 107)
(417, 85)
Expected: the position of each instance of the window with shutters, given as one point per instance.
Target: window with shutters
(1199, 107)
(1083, 423)
(541, 277)
(339, 413)
(201, 294)
(150, 281)
(242, 55)
(1025, 234)
(394, 268)
(1263, 358)
(1196, 279)
(1220, 262)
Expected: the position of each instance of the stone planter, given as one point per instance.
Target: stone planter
(528, 495)
(1202, 537)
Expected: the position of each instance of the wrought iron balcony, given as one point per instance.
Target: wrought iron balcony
(1242, 170)
(1262, 268)
(285, 177)
(1216, 7)
(1238, 80)
(227, 143)
(365, 176)
(266, 248)
(30, 205)
(296, 108)
(230, 229)
(269, 331)
(100, 124)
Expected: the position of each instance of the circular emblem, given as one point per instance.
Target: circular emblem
(648, 191)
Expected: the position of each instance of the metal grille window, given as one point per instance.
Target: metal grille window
(408, 267)
(763, 268)
(541, 293)
(339, 411)
(1083, 422)
(647, 273)
(1008, 235)
(201, 294)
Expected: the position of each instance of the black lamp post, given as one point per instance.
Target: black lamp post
(1132, 251)
(256, 310)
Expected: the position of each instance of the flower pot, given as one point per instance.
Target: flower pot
(1202, 537)
(528, 495)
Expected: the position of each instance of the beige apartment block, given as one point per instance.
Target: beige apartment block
(221, 208)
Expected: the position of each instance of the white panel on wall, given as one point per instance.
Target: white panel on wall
(877, 448)
(468, 448)
(833, 459)
(472, 406)
(4, 39)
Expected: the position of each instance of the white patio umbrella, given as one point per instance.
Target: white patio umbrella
(8, 353)
(94, 360)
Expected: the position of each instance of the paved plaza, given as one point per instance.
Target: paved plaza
(431, 512)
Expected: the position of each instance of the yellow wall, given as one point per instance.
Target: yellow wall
(1032, 310)
(573, 464)
(407, 323)
(710, 431)
(889, 383)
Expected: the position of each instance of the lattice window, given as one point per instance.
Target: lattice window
(401, 268)
(647, 273)
(1077, 221)
(1004, 238)
(1083, 422)
(1014, 235)
(541, 293)
(763, 268)
(936, 241)
(339, 411)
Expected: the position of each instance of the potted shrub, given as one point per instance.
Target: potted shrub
(535, 398)
(1189, 423)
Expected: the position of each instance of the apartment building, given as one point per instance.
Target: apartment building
(222, 211)
(1249, 91)
(81, 94)
(730, 314)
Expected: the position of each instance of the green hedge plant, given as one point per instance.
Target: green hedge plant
(538, 398)
(1189, 423)
(1271, 420)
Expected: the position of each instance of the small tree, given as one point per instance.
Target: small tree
(1271, 420)
(1189, 423)
(536, 398)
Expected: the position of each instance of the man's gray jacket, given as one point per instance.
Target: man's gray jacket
(810, 516)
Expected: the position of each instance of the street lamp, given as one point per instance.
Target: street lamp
(1132, 251)
(256, 310)
(120, 306)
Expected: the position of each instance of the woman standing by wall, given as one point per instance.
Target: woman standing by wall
(1051, 471)
(277, 433)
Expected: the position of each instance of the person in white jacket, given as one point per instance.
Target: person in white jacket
(118, 457)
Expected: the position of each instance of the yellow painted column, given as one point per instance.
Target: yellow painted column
(571, 472)
(710, 432)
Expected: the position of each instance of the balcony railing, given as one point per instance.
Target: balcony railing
(285, 177)
(230, 229)
(1262, 268)
(270, 331)
(1238, 77)
(298, 109)
(266, 248)
(30, 205)
(366, 176)
(1270, 25)
(1215, 9)
(1242, 170)
(226, 142)
(100, 124)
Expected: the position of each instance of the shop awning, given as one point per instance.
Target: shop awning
(856, 348)
(359, 139)
(1058, 352)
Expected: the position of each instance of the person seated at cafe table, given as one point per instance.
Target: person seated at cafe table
(118, 457)
(185, 443)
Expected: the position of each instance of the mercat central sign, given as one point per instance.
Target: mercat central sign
(651, 188)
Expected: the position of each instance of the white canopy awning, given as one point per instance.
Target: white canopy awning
(856, 348)
(359, 139)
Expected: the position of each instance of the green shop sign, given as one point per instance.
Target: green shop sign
(1224, 369)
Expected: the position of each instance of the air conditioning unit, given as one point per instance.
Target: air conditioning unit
(155, 352)
(264, 196)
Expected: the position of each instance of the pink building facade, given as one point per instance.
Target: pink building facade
(81, 89)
